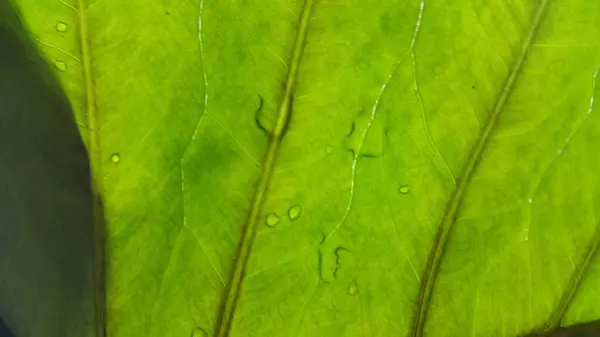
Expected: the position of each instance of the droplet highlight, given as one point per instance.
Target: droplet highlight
(115, 158)
(61, 27)
(272, 220)
(352, 288)
(294, 212)
(199, 332)
(60, 65)
(404, 189)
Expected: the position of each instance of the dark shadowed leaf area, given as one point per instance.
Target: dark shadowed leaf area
(5, 330)
(304, 168)
(45, 200)
(590, 329)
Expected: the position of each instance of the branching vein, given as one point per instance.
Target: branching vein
(55, 47)
(241, 21)
(573, 286)
(581, 270)
(204, 109)
(227, 311)
(418, 93)
(357, 151)
(447, 221)
(240, 145)
(69, 5)
(560, 151)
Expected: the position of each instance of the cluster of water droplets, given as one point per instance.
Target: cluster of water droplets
(61, 27)
(272, 219)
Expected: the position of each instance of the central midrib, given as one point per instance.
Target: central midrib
(438, 248)
(228, 308)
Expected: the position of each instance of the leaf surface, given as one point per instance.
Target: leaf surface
(339, 168)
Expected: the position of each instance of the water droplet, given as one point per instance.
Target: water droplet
(404, 189)
(329, 149)
(60, 65)
(366, 137)
(199, 332)
(265, 119)
(352, 288)
(61, 26)
(294, 212)
(115, 158)
(272, 220)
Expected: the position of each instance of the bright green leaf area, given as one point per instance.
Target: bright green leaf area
(388, 105)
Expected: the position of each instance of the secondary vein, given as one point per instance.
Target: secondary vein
(417, 92)
(438, 248)
(97, 187)
(574, 284)
(581, 270)
(283, 116)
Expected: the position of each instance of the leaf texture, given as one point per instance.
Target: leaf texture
(338, 168)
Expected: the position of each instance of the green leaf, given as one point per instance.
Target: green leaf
(338, 168)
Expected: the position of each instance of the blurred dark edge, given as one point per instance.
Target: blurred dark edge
(46, 213)
(4, 330)
(589, 329)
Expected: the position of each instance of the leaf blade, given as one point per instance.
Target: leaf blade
(376, 204)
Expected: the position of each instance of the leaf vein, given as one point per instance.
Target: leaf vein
(560, 151)
(394, 225)
(232, 294)
(418, 92)
(55, 47)
(243, 23)
(449, 217)
(246, 151)
(356, 153)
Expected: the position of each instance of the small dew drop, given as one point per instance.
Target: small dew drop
(294, 212)
(272, 220)
(404, 189)
(329, 149)
(60, 65)
(61, 27)
(115, 158)
(352, 288)
(199, 332)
